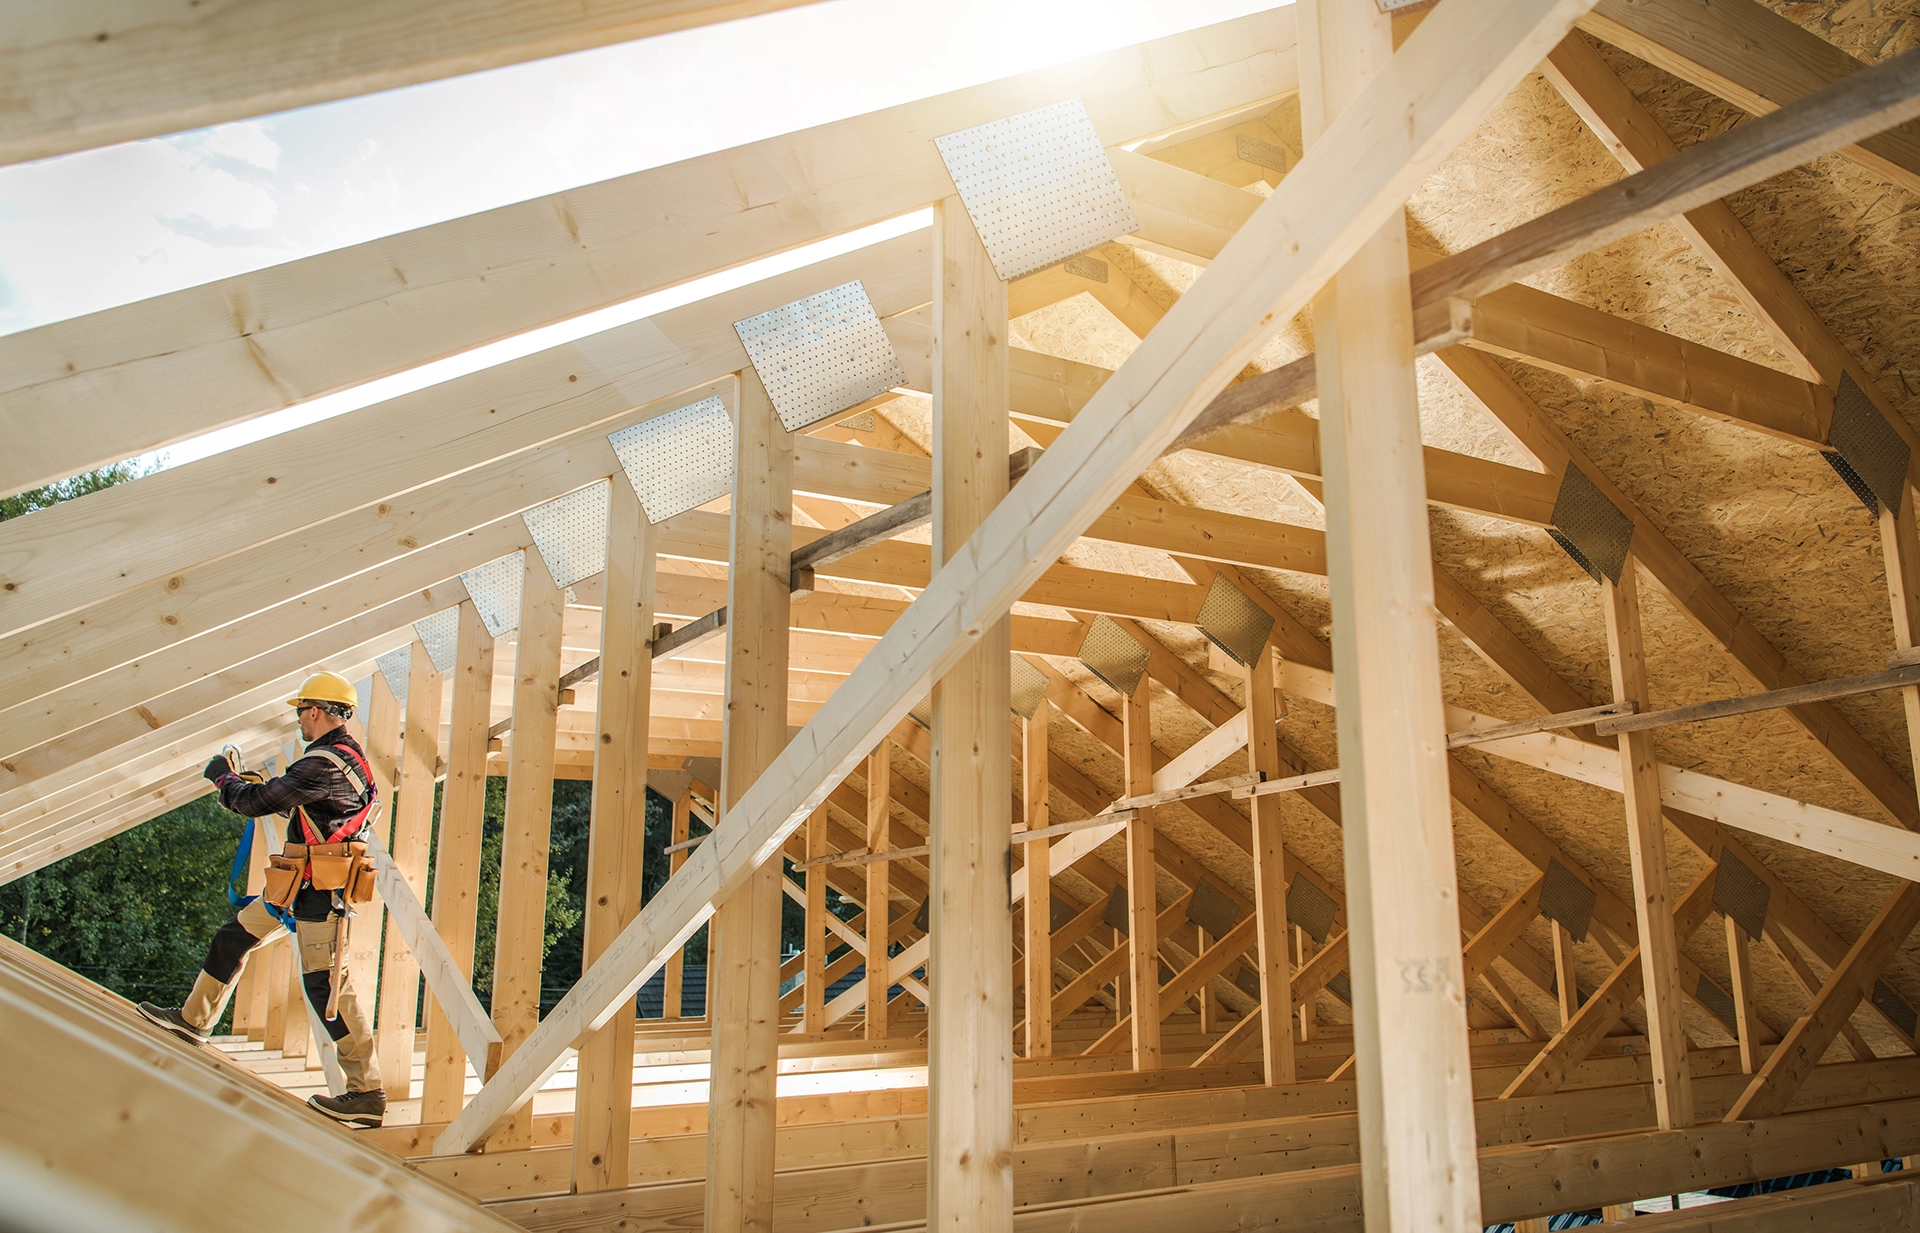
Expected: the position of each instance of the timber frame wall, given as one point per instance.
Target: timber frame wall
(1461, 898)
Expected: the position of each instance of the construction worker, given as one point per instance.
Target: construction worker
(328, 795)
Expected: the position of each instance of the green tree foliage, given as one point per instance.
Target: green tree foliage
(67, 489)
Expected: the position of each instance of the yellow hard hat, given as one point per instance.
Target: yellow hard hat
(326, 687)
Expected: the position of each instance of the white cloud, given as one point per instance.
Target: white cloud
(247, 142)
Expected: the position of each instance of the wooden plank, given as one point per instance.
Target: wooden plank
(970, 1021)
(1410, 1045)
(1039, 906)
(617, 835)
(1451, 71)
(1756, 59)
(743, 964)
(1143, 896)
(1647, 850)
(1566, 983)
(879, 896)
(456, 867)
(1742, 979)
(814, 978)
(77, 79)
(1905, 677)
(406, 300)
(412, 835)
(1270, 878)
(671, 1005)
(1850, 982)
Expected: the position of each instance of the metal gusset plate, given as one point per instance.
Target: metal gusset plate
(495, 591)
(1248, 981)
(923, 919)
(671, 785)
(1894, 1007)
(1310, 908)
(1029, 688)
(1741, 894)
(395, 666)
(1868, 453)
(1116, 914)
(1234, 623)
(922, 712)
(1593, 530)
(1717, 1000)
(1210, 909)
(363, 692)
(1038, 187)
(821, 355)
(440, 634)
(1566, 899)
(1059, 913)
(678, 461)
(1341, 986)
(571, 533)
(1114, 655)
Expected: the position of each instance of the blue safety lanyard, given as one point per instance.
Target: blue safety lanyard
(237, 879)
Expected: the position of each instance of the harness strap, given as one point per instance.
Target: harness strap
(360, 775)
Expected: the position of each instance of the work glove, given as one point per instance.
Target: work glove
(217, 770)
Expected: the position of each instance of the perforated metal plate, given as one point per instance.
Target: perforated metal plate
(1566, 899)
(1341, 986)
(1590, 526)
(922, 713)
(1894, 1007)
(1029, 688)
(1116, 914)
(1741, 894)
(1114, 655)
(1261, 153)
(821, 355)
(671, 785)
(495, 591)
(678, 461)
(1233, 622)
(705, 770)
(923, 919)
(363, 691)
(1059, 915)
(1310, 908)
(1248, 981)
(394, 666)
(1092, 269)
(571, 533)
(1867, 452)
(440, 634)
(1718, 1001)
(1212, 910)
(1038, 187)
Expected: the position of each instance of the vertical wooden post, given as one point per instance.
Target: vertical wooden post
(671, 989)
(879, 889)
(456, 861)
(1303, 946)
(1647, 845)
(813, 1016)
(412, 834)
(1270, 878)
(1143, 898)
(743, 946)
(1415, 1094)
(1900, 550)
(1745, 1019)
(970, 1038)
(616, 842)
(1566, 981)
(519, 939)
(1039, 918)
(298, 1039)
(279, 966)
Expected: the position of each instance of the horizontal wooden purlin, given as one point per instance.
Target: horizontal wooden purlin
(1757, 59)
(1722, 708)
(338, 319)
(1544, 723)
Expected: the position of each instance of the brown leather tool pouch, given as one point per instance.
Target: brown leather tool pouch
(284, 873)
(332, 864)
(360, 882)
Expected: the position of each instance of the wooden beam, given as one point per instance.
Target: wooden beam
(879, 896)
(1270, 877)
(617, 835)
(456, 866)
(672, 1005)
(1143, 896)
(1410, 1045)
(743, 945)
(1039, 906)
(530, 264)
(1806, 1042)
(412, 835)
(1449, 74)
(1753, 57)
(969, 1042)
(1742, 977)
(1647, 849)
(813, 983)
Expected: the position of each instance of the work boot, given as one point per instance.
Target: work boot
(366, 1109)
(170, 1018)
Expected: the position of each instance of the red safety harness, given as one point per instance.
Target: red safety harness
(360, 775)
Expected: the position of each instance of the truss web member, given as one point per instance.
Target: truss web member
(328, 796)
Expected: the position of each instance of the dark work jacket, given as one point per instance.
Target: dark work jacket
(314, 784)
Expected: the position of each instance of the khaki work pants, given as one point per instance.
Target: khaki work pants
(352, 1031)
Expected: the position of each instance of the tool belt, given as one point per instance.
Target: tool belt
(344, 867)
(336, 863)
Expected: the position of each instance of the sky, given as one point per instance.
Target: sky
(104, 227)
